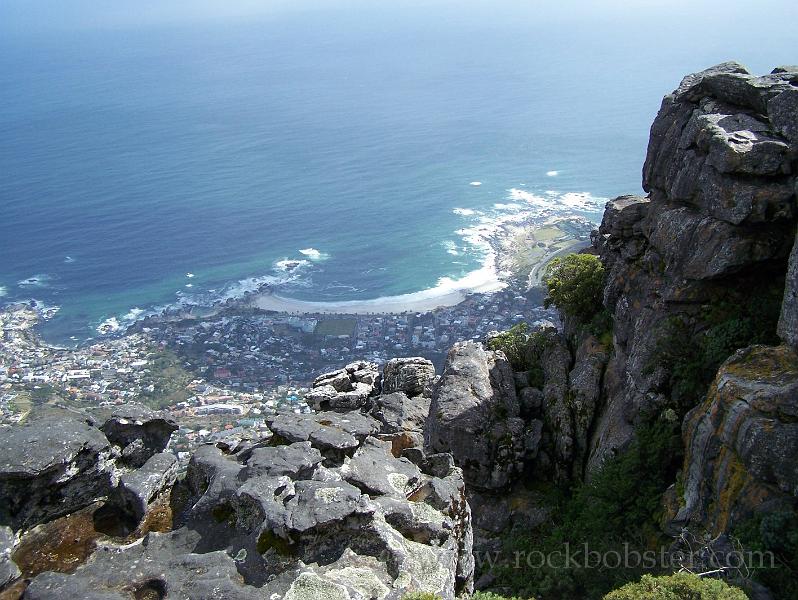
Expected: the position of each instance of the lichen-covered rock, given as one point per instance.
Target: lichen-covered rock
(138, 431)
(51, 467)
(408, 375)
(742, 441)
(292, 519)
(474, 415)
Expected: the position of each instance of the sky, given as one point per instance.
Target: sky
(37, 16)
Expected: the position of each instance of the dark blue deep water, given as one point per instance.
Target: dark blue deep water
(133, 153)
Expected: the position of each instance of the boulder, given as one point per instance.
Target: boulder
(138, 431)
(139, 488)
(408, 375)
(474, 415)
(345, 389)
(52, 467)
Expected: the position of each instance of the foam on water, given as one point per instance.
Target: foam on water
(3, 291)
(314, 254)
(451, 247)
(464, 212)
(475, 183)
(552, 173)
(35, 281)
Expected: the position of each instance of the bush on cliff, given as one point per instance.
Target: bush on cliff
(694, 352)
(575, 285)
(523, 349)
(680, 586)
(777, 533)
(616, 512)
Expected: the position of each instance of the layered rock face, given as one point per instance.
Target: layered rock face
(718, 224)
(741, 443)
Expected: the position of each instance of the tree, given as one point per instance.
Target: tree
(575, 285)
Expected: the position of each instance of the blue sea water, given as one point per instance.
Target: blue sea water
(145, 161)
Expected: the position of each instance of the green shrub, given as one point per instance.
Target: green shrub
(620, 505)
(680, 586)
(575, 285)
(693, 353)
(523, 349)
(775, 532)
(421, 596)
(492, 596)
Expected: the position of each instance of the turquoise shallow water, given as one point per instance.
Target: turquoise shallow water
(134, 155)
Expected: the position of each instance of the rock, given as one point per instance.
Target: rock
(374, 470)
(52, 467)
(408, 375)
(330, 432)
(742, 441)
(138, 431)
(137, 489)
(557, 414)
(530, 401)
(788, 321)
(398, 413)
(156, 567)
(346, 389)
(8, 569)
(474, 415)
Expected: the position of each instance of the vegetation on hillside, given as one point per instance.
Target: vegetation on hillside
(680, 586)
(575, 285)
(524, 350)
(166, 380)
(618, 510)
(777, 533)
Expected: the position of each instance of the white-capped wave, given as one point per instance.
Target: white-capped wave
(552, 173)
(69, 259)
(109, 326)
(133, 314)
(3, 291)
(451, 247)
(39, 281)
(190, 275)
(507, 206)
(475, 183)
(189, 285)
(287, 265)
(314, 254)
(464, 212)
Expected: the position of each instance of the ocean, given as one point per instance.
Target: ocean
(340, 151)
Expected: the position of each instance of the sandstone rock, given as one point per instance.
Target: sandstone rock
(530, 401)
(137, 489)
(475, 415)
(743, 440)
(374, 470)
(346, 389)
(52, 467)
(408, 375)
(138, 431)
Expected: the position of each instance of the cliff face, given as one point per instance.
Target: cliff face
(716, 227)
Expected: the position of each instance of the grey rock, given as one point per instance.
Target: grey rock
(788, 321)
(396, 412)
(325, 430)
(530, 401)
(408, 375)
(783, 114)
(137, 489)
(139, 431)
(52, 467)
(346, 389)
(374, 470)
(474, 416)
(8, 569)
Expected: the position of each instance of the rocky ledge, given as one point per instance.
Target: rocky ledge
(328, 504)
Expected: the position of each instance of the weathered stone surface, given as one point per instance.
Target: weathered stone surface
(52, 467)
(159, 566)
(137, 489)
(396, 412)
(475, 415)
(8, 570)
(742, 441)
(327, 431)
(276, 521)
(137, 430)
(788, 322)
(346, 389)
(408, 375)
